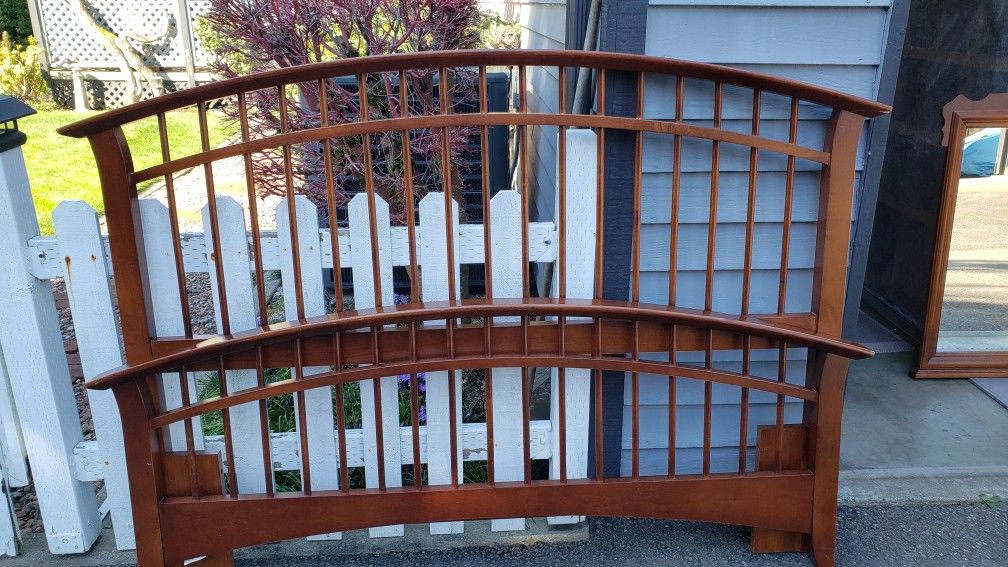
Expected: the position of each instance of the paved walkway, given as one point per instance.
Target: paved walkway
(939, 536)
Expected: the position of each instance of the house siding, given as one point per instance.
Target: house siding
(837, 44)
(833, 43)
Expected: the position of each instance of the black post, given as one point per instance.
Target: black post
(622, 28)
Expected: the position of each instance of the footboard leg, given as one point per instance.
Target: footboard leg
(824, 421)
(794, 456)
(175, 467)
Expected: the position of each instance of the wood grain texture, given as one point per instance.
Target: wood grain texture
(794, 243)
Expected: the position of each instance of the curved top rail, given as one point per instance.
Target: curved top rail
(235, 342)
(469, 58)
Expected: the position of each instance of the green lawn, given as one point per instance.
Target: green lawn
(61, 168)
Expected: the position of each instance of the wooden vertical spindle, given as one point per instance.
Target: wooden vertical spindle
(190, 444)
(599, 423)
(526, 402)
(344, 468)
(712, 218)
(363, 116)
(788, 205)
(638, 172)
(291, 206)
(302, 415)
(779, 417)
(264, 432)
(676, 180)
(751, 206)
(228, 437)
(600, 187)
(379, 421)
(408, 187)
(708, 400)
(744, 404)
(260, 277)
(176, 239)
(225, 319)
(330, 184)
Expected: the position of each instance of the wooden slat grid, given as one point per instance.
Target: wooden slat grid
(440, 332)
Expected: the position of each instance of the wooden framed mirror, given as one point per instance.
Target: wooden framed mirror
(966, 322)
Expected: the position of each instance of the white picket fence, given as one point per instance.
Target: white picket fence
(37, 406)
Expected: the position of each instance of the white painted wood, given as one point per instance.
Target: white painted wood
(44, 260)
(287, 457)
(166, 309)
(13, 457)
(433, 253)
(87, 287)
(579, 244)
(10, 535)
(506, 269)
(234, 256)
(40, 379)
(323, 457)
(364, 298)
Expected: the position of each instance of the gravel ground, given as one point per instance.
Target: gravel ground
(922, 536)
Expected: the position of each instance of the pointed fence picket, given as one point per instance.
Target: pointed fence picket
(166, 308)
(382, 404)
(324, 462)
(87, 270)
(579, 234)
(437, 285)
(87, 286)
(506, 386)
(234, 259)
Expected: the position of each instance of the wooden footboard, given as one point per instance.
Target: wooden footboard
(770, 287)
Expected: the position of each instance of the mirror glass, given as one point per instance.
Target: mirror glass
(974, 315)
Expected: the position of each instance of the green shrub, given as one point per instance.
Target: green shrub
(21, 72)
(14, 20)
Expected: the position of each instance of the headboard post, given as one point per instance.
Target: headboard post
(115, 169)
(836, 194)
(144, 469)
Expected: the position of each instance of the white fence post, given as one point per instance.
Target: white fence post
(10, 535)
(434, 279)
(87, 285)
(580, 270)
(506, 260)
(13, 456)
(40, 379)
(364, 287)
(234, 256)
(323, 460)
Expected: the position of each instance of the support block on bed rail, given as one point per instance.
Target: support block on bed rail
(793, 456)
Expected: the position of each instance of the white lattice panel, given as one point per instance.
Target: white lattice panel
(68, 43)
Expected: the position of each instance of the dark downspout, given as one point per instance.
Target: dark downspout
(622, 28)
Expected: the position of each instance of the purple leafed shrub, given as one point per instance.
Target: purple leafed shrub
(256, 35)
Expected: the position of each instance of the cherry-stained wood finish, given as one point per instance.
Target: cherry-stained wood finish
(960, 114)
(183, 509)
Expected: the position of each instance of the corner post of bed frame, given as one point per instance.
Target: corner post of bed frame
(143, 469)
(122, 215)
(836, 196)
(823, 420)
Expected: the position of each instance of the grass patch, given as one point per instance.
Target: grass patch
(62, 168)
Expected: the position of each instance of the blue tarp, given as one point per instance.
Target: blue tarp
(980, 152)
